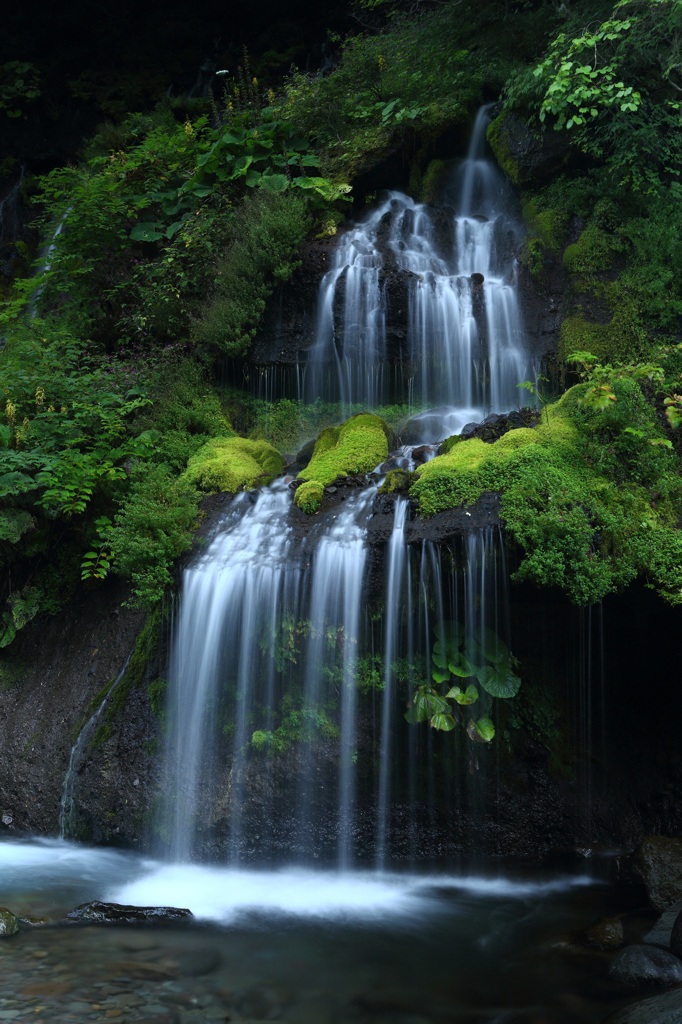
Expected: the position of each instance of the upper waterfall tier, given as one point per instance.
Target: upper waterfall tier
(464, 349)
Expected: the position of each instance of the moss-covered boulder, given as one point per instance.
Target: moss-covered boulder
(309, 496)
(525, 156)
(233, 464)
(576, 519)
(357, 446)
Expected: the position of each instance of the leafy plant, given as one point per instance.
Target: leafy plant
(461, 659)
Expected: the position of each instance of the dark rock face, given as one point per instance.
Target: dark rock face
(661, 870)
(646, 966)
(54, 676)
(117, 913)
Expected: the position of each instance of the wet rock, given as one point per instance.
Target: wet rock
(661, 869)
(676, 936)
(495, 425)
(605, 934)
(642, 966)
(304, 456)
(660, 934)
(663, 1009)
(422, 454)
(523, 154)
(9, 924)
(117, 913)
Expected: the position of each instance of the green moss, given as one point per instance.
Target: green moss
(232, 464)
(623, 337)
(397, 480)
(433, 181)
(145, 654)
(595, 251)
(575, 491)
(309, 496)
(357, 446)
(498, 139)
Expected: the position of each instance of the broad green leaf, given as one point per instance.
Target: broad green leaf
(482, 731)
(443, 722)
(499, 681)
(461, 667)
(147, 231)
(440, 675)
(274, 182)
(464, 697)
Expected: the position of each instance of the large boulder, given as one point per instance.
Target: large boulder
(642, 966)
(660, 864)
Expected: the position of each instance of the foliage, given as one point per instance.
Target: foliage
(266, 234)
(615, 87)
(68, 433)
(420, 74)
(19, 86)
(232, 464)
(460, 659)
(153, 527)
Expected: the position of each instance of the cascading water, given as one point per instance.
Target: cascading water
(465, 352)
(278, 654)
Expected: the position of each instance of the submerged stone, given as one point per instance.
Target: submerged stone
(117, 913)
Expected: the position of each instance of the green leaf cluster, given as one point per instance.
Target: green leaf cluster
(461, 659)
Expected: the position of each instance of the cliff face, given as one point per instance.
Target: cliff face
(53, 680)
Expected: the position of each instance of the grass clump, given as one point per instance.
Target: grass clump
(232, 464)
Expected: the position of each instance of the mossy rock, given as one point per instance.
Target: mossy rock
(398, 481)
(357, 446)
(525, 156)
(621, 338)
(433, 182)
(233, 464)
(577, 524)
(309, 496)
(594, 252)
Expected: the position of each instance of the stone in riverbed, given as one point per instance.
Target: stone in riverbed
(9, 924)
(116, 913)
(641, 966)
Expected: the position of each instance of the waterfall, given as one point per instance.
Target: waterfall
(292, 668)
(465, 349)
(232, 598)
(397, 561)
